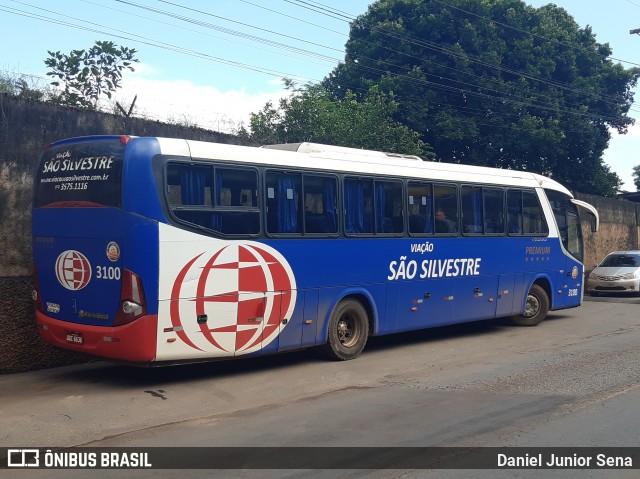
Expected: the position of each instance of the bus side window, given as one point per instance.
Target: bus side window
(189, 192)
(471, 197)
(388, 210)
(188, 185)
(493, 210)
(514, 212)
(320, 209)
(420, 208)
(358, 205)
(283, 198)
(533, 217)
(446, 203)
(236, 201)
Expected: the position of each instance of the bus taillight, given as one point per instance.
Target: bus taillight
(132, 300)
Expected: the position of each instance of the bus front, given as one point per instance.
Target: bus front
(93, 277)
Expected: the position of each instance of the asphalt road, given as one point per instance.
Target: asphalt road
(572, 381)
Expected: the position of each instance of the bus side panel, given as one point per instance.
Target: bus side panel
(139, 187)
(221, 298)
(299, 330)
(505, 304)
(141, 255)
(309, 331)
(475, 298)
(568, 294)
(421, 304)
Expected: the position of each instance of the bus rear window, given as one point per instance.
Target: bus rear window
(86, 173)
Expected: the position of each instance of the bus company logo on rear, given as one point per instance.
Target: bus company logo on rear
(73, 270)
(245, 290)
(113, 251)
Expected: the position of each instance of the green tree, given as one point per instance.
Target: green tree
(20, 86)
(311, 114)
(85, 75)
(496, 83)
(636, 177)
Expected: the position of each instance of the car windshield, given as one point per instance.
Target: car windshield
(620, 260)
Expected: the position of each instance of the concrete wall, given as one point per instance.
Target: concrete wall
(618, 228)
(25, 127)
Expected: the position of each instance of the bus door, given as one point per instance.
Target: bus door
(570, 277)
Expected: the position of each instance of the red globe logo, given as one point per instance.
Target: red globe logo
(73, 270)
(244, 289)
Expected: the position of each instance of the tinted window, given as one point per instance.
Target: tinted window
(84, 173)
(320, 208)
(493, 210)
(284, 202)
(446, 207)
(472, 209)
(568, 221)
(389, 218)
(420, 208)
(533, 221)
(524, 214)
(358, 206)
(223, 200)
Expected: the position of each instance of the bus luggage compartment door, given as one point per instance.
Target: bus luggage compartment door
(475, 298)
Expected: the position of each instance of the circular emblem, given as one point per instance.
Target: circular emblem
(113, 251)
(240, 294)
(574, 272)
(73, 270)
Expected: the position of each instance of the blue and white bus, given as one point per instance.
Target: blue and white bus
(157, 250)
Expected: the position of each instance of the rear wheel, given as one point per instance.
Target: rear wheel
(348, 330)
(535, 309)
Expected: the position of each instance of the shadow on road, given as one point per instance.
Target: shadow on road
(121, 375)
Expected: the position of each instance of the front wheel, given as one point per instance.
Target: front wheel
(535, 309)
(348, 330)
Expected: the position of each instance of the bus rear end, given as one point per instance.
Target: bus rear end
(90, 286)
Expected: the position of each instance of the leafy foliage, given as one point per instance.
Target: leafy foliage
(311, 114)
(20, 86)
(636, 177)
(496, 83)
(86, 75)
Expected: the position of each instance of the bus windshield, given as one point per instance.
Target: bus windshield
(82, 173)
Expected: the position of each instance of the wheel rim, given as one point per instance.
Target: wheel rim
(348, 330)
(532, 307)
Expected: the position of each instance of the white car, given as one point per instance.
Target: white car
(618, 272)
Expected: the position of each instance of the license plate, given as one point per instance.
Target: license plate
(75, 338)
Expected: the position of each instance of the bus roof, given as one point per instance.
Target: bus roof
(356, 161)
(339, 159)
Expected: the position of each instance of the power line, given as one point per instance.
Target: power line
(458, 90)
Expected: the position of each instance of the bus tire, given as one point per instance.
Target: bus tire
(348, 330)
(535, 309)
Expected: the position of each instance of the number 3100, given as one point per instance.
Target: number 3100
(108, 272)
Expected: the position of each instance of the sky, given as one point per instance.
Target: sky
(211, 63)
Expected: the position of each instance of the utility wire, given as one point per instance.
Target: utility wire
(205, 56)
